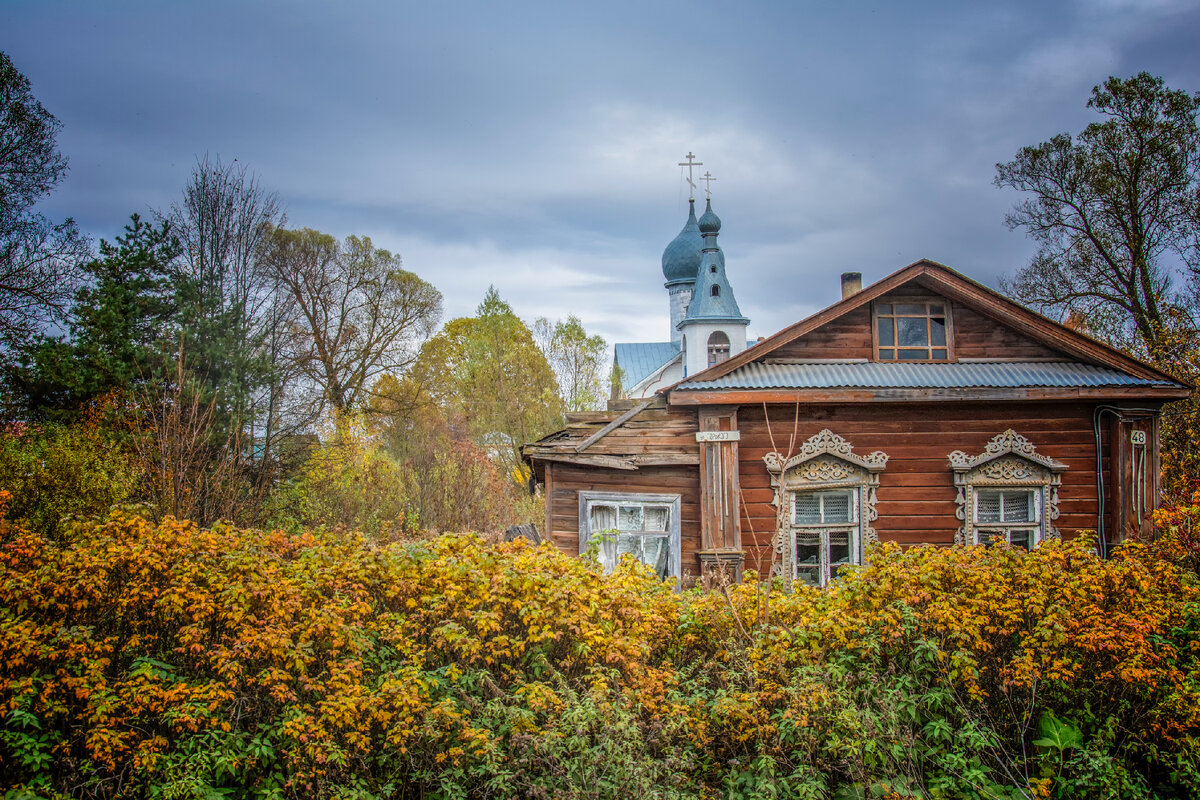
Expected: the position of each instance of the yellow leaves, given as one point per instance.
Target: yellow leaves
(143, 635)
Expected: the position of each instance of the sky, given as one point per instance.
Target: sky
(534, 146)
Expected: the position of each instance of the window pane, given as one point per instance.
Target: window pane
(630, 518)
(1021, 538)
(987, 506)
(942, 354)
(917, 309)
(883, 308)
(602, 518)
(887, 335)
(988, 538)
(937, 308)
(913, 332)
(656, 518)
(607, 554)
(937, 330)
(839, 548)
(656, 552)
(913, 355)
(887, 355)
(808, 508)
(808, 549)
(629, 544)
(809, 576)
(1017, 506)
(838, 507)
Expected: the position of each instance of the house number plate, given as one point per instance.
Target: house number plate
(1137, 437)
(719, 436)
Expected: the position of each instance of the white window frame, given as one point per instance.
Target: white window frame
(670, 501)
(1001, 529)
(824, 530)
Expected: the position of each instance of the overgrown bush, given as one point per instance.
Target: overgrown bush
(56, 471)
(172, 661)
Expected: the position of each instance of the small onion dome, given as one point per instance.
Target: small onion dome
(710, 222)
(681, 260)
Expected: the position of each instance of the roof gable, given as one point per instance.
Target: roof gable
(931, 277)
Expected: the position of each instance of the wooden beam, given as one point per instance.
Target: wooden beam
(616, 423)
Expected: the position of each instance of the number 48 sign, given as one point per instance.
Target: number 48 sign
(1137, 437)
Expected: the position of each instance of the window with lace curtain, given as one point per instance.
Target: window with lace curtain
(642, 526)
(1007, 515)
(825, 532)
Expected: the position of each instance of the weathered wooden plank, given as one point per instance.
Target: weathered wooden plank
(616, 423)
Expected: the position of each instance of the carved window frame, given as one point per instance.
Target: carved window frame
(1008, 461)
(825, 462)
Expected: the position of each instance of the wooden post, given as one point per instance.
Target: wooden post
(720, 509)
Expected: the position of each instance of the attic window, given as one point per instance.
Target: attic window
(716, 291)
(713, 268)
(912, 330)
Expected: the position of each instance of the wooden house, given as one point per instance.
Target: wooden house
(925, 408)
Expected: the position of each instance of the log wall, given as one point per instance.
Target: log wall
(916, 496)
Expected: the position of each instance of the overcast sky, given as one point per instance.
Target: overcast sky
(534, 146)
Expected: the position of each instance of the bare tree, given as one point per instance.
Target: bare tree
(39, 260)
(357, 316)
(223, 223)
(232, 322)
(1114, 212)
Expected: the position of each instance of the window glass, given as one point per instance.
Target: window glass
(656, 518)
(996, 510)
(887, 333)
(911, 332)
(808, 508)
(996, 506)
(937, 330)
(1022, 538)
(630, 519)
(824, 529)
(640, 530)
(836, 507)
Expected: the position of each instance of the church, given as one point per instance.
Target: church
(924, 408)
(707, 326)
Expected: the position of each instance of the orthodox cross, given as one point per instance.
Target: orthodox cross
(689, 164)
(708, 179)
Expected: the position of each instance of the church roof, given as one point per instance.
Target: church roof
(681, 259)
(638, 360)
(713, 299)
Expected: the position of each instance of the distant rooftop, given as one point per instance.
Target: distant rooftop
(638, 360)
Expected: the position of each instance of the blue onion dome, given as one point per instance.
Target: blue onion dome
(681, 260)
(710, 222)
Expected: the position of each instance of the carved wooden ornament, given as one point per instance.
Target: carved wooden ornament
(825, 461)
(1009, 460)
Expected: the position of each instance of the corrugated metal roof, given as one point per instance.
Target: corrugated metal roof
(638, 359)
(894, 375)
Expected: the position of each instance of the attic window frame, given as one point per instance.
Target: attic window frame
(928, 301)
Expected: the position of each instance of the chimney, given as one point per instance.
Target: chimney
(851, 283)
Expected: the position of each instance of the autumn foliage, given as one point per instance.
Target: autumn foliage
(166, 660)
